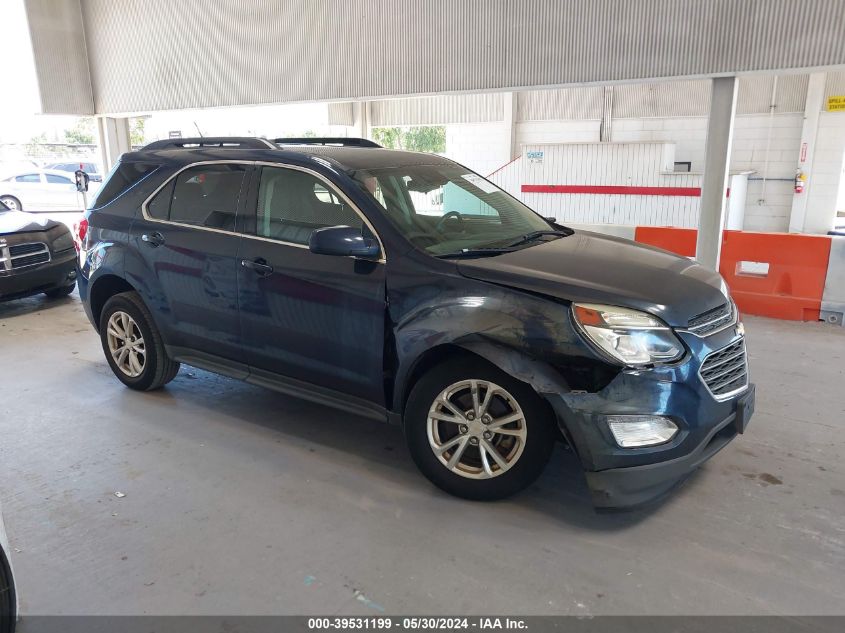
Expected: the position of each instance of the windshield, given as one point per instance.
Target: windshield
(445, 209)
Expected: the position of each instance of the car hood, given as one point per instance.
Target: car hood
(20, 222)
(590, 267)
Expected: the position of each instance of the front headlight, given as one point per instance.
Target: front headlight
(63, 242)
(629, 336)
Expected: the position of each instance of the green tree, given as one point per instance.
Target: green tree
(429, 138)
(390, 137)
(35, 147)
(82, 133)
(426, 138)
(136, 131)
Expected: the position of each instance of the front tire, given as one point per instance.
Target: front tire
(13, 203)
(477, 432)
(133, 345)
(8, 600)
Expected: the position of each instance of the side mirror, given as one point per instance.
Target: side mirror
(344, 241)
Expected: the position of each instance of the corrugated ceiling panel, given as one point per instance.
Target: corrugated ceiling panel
(834, 85)
(475, 108)
(754, 94)
(342, 113)
(792, 93)
(160, 54)
(58, 43)
(673, 98)
(565, 103)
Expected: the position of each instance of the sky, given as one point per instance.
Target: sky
(20, 120)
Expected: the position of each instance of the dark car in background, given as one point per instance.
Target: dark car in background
(91, 169)
(36, 255)
(404, 287)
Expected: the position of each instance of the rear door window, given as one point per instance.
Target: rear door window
(205, 195)
(55, 179)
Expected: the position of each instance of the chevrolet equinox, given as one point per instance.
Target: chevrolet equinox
(404, 287)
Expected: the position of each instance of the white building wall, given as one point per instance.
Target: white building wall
(756, 137)
(572, 131)
(642, 165)
(483, 147)
(771, 147)
(826, 183)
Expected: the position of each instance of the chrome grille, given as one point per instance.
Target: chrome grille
(22, 255)
(725, 371)
(30, 260)
(709, 322)
(25, 249)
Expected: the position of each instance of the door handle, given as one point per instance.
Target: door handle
(260, 266)
(153, 239)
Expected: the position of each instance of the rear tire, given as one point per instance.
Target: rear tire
(477, 454)
(133, 345)
(61, 291)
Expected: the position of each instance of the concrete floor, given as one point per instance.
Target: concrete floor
(241, 501)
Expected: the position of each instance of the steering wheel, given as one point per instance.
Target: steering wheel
(441, 223)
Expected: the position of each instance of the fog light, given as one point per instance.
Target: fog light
(632, 431)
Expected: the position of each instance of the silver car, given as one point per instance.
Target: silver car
(41, 190)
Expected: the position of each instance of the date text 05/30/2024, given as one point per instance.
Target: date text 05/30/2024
(385, 623)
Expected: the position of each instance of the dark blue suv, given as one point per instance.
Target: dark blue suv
(404, 287)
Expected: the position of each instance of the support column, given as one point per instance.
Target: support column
(361, 118)
(809, 133)
(717, 158)
(510, 115)
(113, 139)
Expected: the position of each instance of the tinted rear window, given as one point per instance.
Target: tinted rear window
(121, 178)
(206, 195)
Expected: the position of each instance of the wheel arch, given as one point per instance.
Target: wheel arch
(539, 375)
(103, 289)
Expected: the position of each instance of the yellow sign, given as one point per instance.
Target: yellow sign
(836, 104)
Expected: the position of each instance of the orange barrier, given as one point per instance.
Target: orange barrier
(670, 238)
(779, 275)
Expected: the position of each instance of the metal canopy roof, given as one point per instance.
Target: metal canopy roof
(105, 57)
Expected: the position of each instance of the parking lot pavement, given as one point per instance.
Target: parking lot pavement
(238, 500)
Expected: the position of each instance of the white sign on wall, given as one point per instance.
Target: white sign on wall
(535, 156)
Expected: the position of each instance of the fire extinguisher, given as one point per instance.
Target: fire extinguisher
(800, 181)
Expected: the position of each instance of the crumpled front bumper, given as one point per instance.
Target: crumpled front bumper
(628, 477)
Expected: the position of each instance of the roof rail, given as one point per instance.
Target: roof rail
(233, 142)
(343, 141)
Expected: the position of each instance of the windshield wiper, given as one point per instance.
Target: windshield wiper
(477, 252)
(530, 237)
(507, 248)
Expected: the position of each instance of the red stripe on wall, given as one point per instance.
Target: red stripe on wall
(690, 192)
